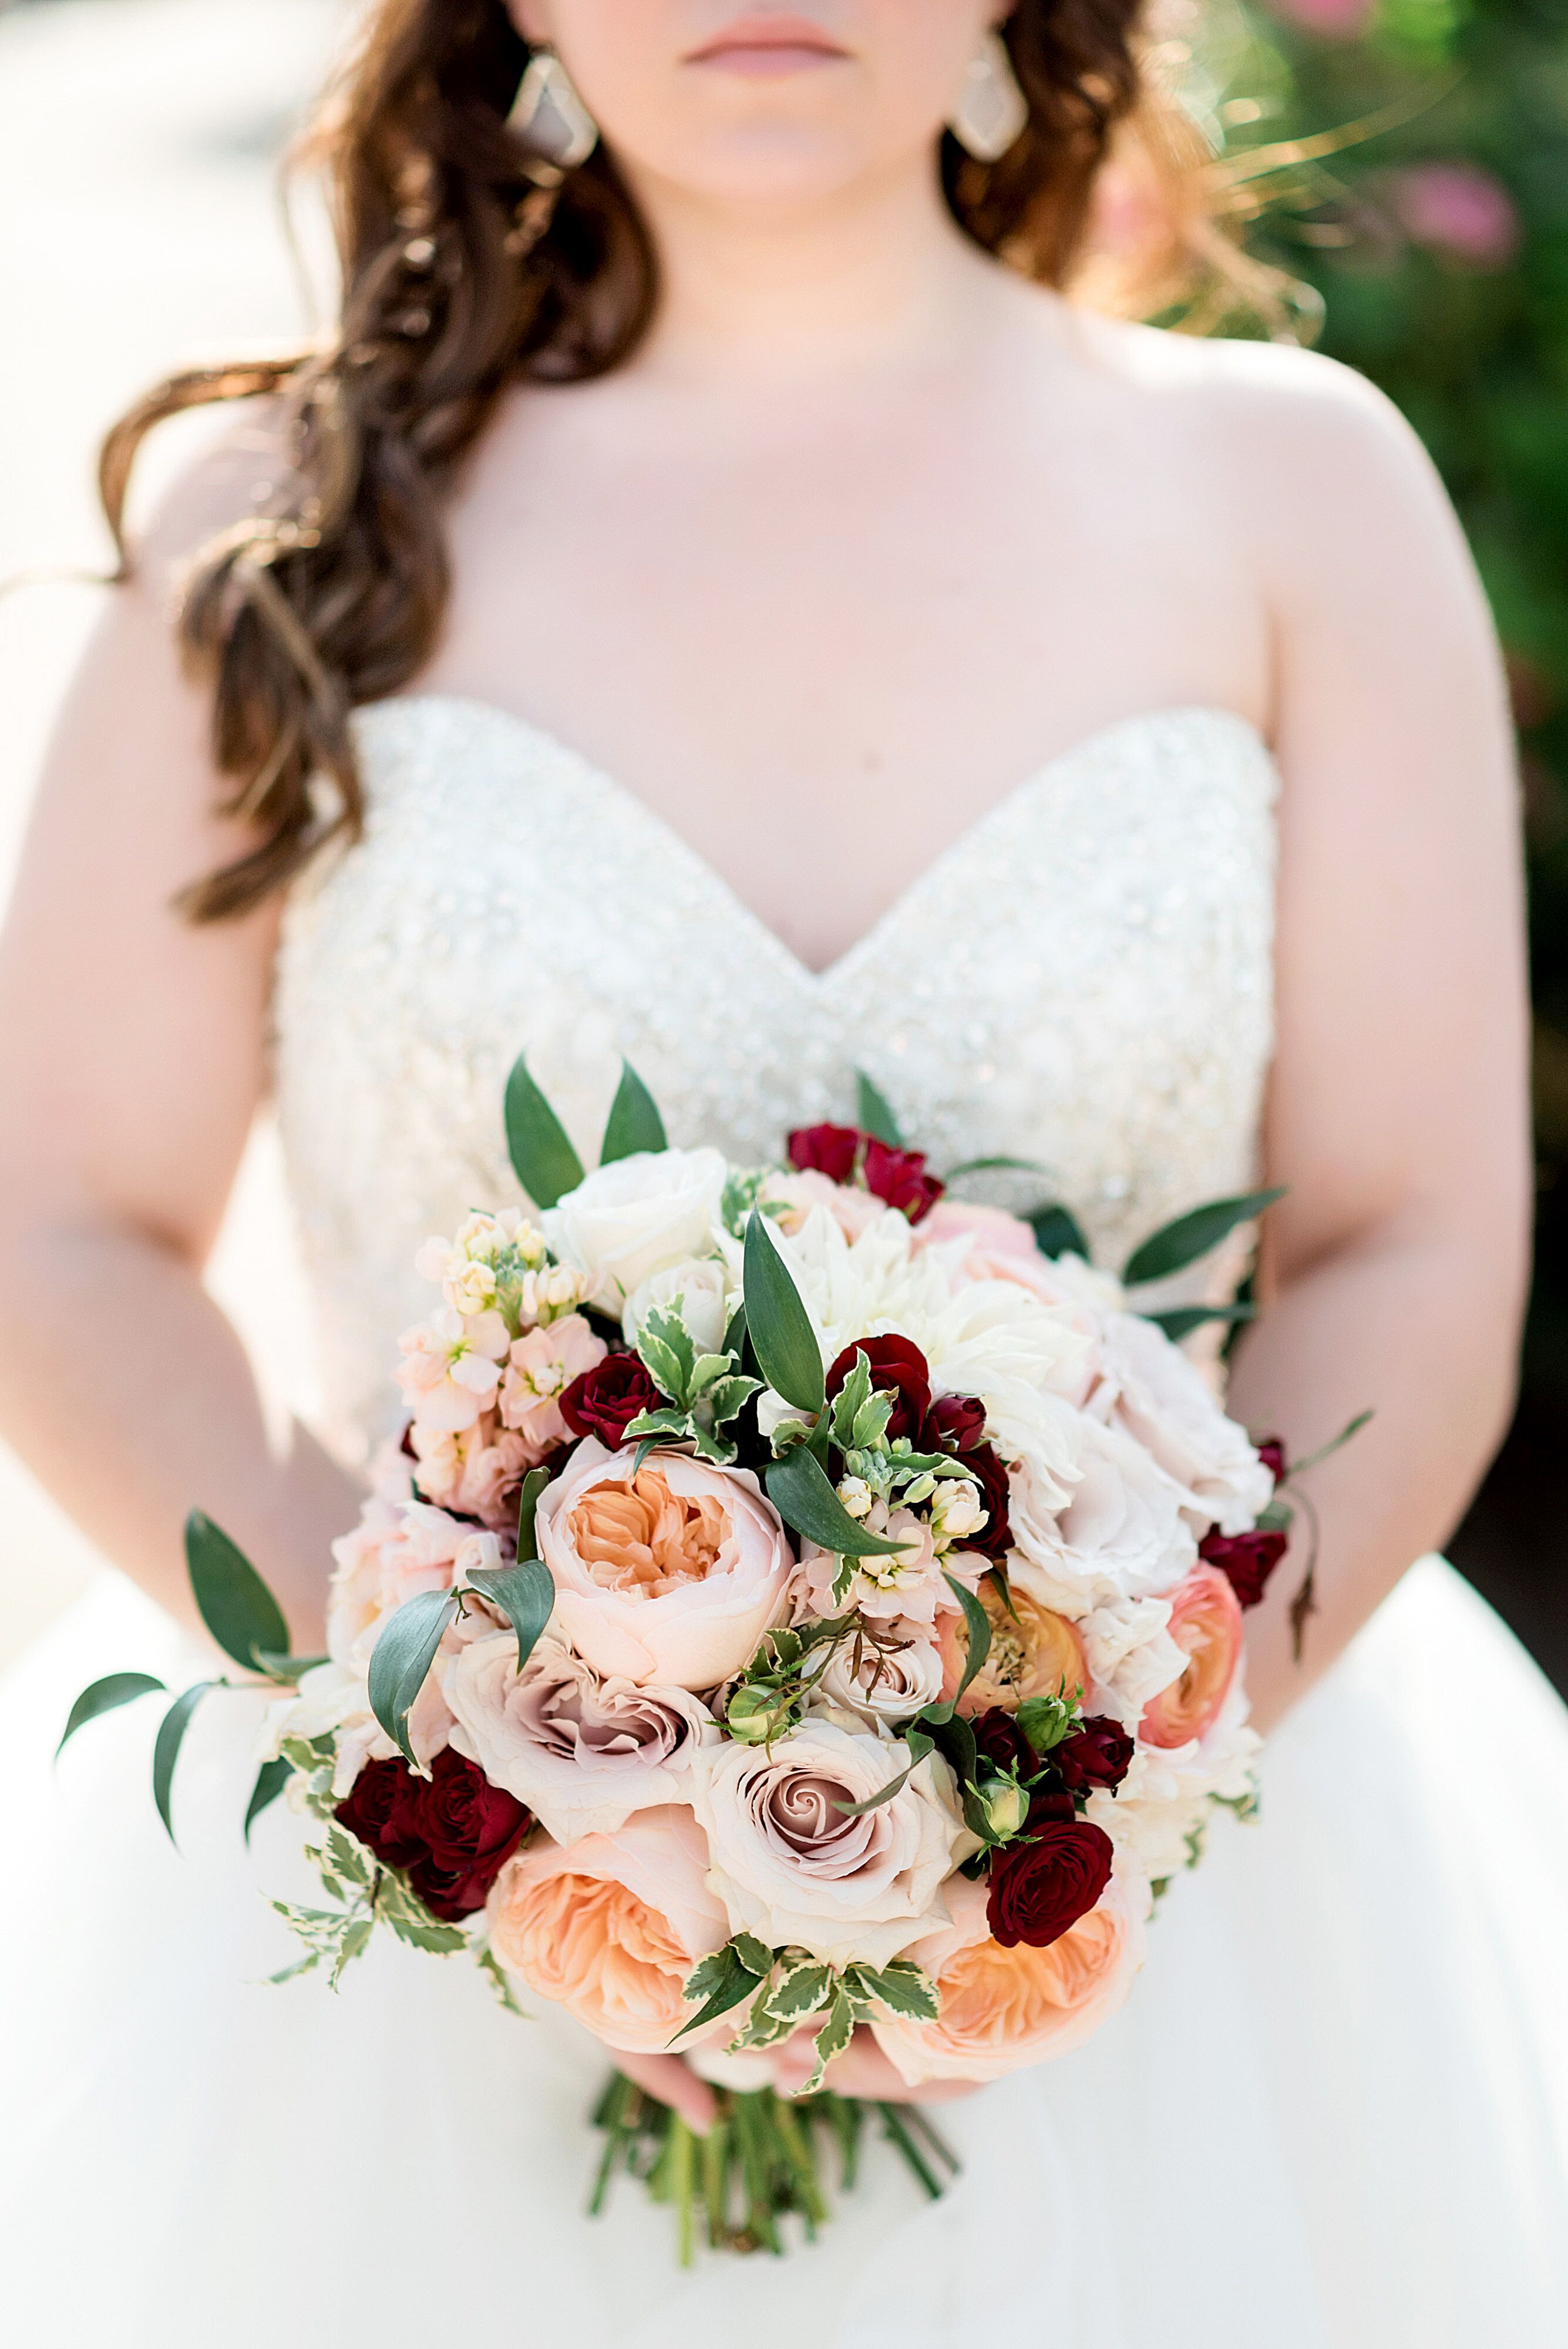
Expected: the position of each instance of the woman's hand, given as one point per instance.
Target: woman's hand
(861, 2071)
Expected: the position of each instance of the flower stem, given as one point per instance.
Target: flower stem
(681, 2143)
(895, 2129)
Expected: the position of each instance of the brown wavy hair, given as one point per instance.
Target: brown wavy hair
(464, 274)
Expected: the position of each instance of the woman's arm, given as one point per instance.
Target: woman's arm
(131, 1063)
(1395, 1270)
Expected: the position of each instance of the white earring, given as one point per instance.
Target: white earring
(549, 117)
(993, 113)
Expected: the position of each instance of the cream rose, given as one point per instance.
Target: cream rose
(705, 1291)
(669, 1575)
(637, 1216)
(888, 1683)
(582, 1753)
(610, 1927)
(1119, 1532)
(1002, 2009)
(1149, 1387)
(792, 1869)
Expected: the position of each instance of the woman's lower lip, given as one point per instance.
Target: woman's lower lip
(767, 61)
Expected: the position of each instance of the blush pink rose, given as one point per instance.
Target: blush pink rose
(668, 1574)
(1206, 1625)
(610, 1927)
(540, 1366)
(1002, 2009)
(853, 1210)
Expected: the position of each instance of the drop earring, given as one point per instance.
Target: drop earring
(550, 117)
(992, 112)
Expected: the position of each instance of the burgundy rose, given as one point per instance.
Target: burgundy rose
(1003, 1744)
(899, 1177)
(1272, 1453)
(898, 1368)
(450, 1833)
(994, 1539)
(954, 1423)
(829, 1150)
(1042, 1886)
(1246, 1559)
(1098, 1754)
(606, 1400)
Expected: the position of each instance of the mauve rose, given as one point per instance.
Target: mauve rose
(1098, 1754)
(1246, 1560)
(606, 1400)
(829, 1150)
(899, 1177)
(451, 1834)
(1042, 1886)
(898, 1368)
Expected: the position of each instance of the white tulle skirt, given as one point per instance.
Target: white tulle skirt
(1334, 2116)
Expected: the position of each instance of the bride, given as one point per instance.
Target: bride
(718, 600)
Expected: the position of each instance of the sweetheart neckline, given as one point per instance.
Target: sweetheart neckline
(800, 971)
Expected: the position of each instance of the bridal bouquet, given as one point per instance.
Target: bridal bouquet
(800, 1602)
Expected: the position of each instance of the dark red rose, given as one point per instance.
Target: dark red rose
(1272, 1453)
(1246, 1559)
(1042, 1885)
(1098, 1754)
(994, 1539)
(1003, 1744)
(954, 1423)
(898, 1368)
(606, 1400)
(899, 1177)
(829, 1150)
(451, 1833)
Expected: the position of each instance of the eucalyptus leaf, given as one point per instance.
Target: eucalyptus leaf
(1181, 1321)
(166, 1748)
(1193, 1235)
(783, 1337)
(533, 1485)
(1335, 1443)
(271, 1780)
(106, 1696)
(874, 1114)
(402, 1658)
(289, 1668)
(525, 1594)
(635, 1124)
(236, 1605)
(1058, 1232)
(799, 1490)
(546, 1164)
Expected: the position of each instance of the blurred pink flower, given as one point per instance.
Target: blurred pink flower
(1455, 209)
(1335, 20)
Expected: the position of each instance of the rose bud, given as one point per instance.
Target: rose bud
(897, 1368)
(829, 1150)
(1040, 1887)
(998, 1735)
(958, 1513)
(1098, 1755)
(752, 1715)
(1005, 1804)
(1272, 1453)
(899, 1177)
(1247, 1560)
(606, 1400)
(953, 1424)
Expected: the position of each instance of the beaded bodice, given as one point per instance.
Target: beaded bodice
(1083, 978)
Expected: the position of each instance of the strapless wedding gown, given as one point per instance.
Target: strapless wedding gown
(1333, 2115)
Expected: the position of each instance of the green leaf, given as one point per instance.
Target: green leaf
(873, 1115)
(400, 1907)
(106, 1696)
(271, 1780)
(635, 1124)
(833, 2038)
(799, 1491)
(904, 1988)
(1181, 1320)
(289, 1668)
(803, 1990)
(1058, 1232)
(1335, 1443)
(754, 1955)
(918, 1746)
(533, 1485)
(525, 1595)
(978, 1624)
(783, 1337)
(166, 1748)
(1176, 1245)
(737, 1985)
(994, 1166)
(236, 1605)
(402, 1658)
(546, 1164)
(356, 1940)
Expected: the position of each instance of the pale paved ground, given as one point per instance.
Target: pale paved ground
(139, 229)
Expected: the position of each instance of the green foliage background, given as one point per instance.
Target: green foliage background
(1475, 351)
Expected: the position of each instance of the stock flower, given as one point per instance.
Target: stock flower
(606, 1400)
(582, 1753)
(540, 1366)
(794, 1869)
(1034, 1652)
(611, 1925)
(1005, 2007)
(637, 1216)
(668, 1575)
(1042, 1884)
(473, 1474)
(1206, 1625)
(1246, 1560)
(910, 1584)
(1150, 1387)
(451, 1367)
(451, 1832)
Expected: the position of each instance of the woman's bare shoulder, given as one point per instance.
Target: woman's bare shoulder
(239, 462)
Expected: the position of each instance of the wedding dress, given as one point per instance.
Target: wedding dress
(1335, 2113)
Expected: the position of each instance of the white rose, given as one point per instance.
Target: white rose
(582, 1753)
(636, 1217)
(1120, 1532)
(701, 1287)
(792, 1869)
(1149, 1387)
(1131, 1655)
